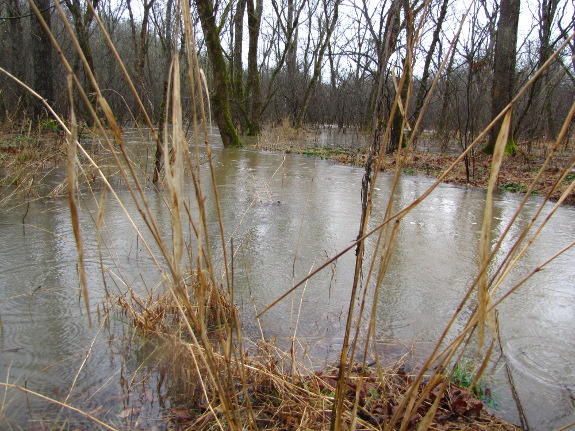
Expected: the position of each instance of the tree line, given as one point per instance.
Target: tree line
(304, 61)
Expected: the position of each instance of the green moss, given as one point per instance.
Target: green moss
(511, 147)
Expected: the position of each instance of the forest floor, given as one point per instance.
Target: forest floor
(430, 159)
(20, 154)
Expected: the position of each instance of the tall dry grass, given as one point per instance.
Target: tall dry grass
(194, 312)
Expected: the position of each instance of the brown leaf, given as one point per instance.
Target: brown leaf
(181, 415)
(459, 405)
(474, 409)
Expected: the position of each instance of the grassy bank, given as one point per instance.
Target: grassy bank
(516, 174)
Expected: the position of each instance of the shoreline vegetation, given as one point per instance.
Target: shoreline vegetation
(516, 174)
(46, 147)
(272, 390)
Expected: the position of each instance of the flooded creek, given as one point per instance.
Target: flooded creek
(287, 216)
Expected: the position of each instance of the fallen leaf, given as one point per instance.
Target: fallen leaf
(181, 415)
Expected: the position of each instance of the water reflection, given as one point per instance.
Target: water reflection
(286, 216)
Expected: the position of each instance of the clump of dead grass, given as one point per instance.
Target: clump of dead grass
(284, 137)
(271, 393)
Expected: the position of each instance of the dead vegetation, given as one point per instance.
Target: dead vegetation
(516, 175)
(267, 395)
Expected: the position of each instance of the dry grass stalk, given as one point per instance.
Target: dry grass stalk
(483, 298)
(71, 173)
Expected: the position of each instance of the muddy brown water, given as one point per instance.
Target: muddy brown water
(287, 216)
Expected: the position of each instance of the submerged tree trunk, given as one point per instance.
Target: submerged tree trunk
(221, 97)
(161, 122)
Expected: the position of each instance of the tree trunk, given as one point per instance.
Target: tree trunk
(221, 97)
(237, 69)
(540, 101)
(42, 59)
(292, 94)
(82, 19)
(254, 90)
(16, 59)
(504, 64)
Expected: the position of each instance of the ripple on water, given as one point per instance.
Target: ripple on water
(41, 330)
(550, 363)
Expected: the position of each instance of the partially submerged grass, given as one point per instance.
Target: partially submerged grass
(516, 173)
(275, 397)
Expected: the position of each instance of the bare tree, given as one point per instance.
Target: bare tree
(504, 62)
(540, 98)
(472, 77)
(221, 78)
(13, 44)
(328, 24)
(42, 57)
(423, 83)
(141, 40)
(247, 92)
(254, 91)
(236, 64)
(82, 19)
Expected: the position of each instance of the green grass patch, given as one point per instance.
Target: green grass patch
(518, 188)
(514, 187)
(463, 376)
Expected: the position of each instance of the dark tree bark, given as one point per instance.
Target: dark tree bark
(42, 58)
(82, 20)
(221, 96)
(166, 38)
(254, 91)
(16, 60)
(385, 48)
(504, 63)
(237, 68)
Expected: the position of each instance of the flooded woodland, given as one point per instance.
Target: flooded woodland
(283, 215)
(287, 214)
